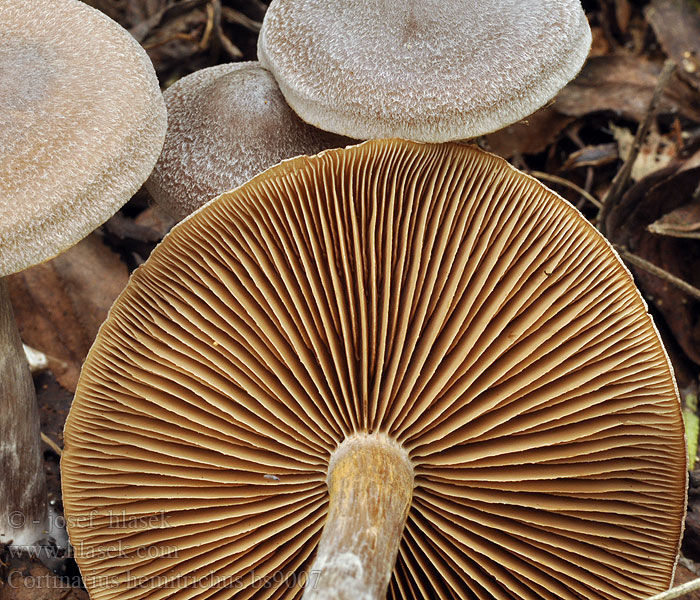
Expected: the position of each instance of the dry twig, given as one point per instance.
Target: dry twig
(619, 183)
(53, 445)
(570, 184)
(657, 271)
(678, 591)
(208, 28)
(224, 42)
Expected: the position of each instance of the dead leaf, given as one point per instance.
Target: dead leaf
(529, 136)
(656, 152)
(684, 575)
(237, 17)
(627, 225)
(683, 222)
(59, 305)
(592, 156)
(255, 9)
(137, 11)
(155, 220)
(623, 12)
(136, 238)
(30, 580)
(676, 24)
(692, 162)
(109, 7)
(600, 46)
(148, 227)
(691, 536)
(177, 39)
(624, 84)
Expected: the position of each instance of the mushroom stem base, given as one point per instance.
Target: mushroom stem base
(23, 484)
(370, 485)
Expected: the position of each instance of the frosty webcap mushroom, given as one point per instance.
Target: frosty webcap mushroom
(82, 122)
(428, 70)
(393, 366)
(226, 124)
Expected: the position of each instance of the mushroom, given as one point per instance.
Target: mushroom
(394, 368)
(428, 70)
(82, 121)
(226, 124)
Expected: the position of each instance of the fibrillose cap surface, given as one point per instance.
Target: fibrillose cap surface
(430, 293)
(82, 122)
(427, 70)
(226, 124)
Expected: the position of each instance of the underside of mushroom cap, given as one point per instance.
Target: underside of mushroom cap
(432, 295)
(82, 122)
(226, 124)
(427, 70)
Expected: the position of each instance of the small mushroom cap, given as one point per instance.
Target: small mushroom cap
(82, 122)
(427, 70)
(430, 293)
(226, 124)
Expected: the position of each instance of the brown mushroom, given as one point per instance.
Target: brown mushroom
(428, 70)
(82, 122)
(226, 124)
(396, 366)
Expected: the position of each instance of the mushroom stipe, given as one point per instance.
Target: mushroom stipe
(394, 370)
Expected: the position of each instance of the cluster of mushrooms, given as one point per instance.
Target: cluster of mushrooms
(396, 369)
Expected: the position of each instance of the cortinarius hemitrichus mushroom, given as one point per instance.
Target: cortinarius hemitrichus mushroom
(226, 124)
(398, 367)
(82, 121)
(428, 70)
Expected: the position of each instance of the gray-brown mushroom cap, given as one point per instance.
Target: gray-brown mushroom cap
(429, 302)
(427, 70)
(82, 122)
(226, 124)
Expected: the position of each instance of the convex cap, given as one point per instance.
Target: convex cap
(226, 124)
(428, 299)
(82, 122)
(429, 70)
